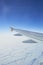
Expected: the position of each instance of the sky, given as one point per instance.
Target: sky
(22, 14)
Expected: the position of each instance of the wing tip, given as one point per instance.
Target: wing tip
(11, 29)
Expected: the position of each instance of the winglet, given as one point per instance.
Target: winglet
(12, 29)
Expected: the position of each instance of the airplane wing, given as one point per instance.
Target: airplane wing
(35, 35)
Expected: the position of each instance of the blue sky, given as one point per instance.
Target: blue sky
(23, 14)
